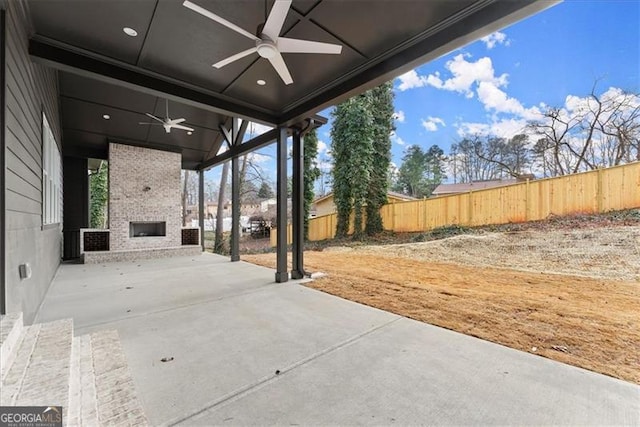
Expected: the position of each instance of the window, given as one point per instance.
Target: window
(51, 195)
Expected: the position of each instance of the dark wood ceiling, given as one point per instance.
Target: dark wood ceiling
(172, 57)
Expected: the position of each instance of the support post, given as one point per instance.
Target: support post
(3, 102)
(297, 208)
(282, 275)
(201, 206)
(235, 197)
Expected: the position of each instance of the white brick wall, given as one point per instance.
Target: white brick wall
(131, 169)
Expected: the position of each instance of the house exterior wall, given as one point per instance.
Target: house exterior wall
(30, 90)
(325, 206)
(131, 171)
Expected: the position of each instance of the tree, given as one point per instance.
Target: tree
(421, 172)
(99, 195)
(352, 147)
(265, 191)
(410, 175)
(218, 245)
(311, 173)
(434, 160)
(486, 157)
(185, 196)
(381, 107)
(588, 133)
(468, 158)
(510, 157)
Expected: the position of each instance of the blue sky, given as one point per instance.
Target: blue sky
(496, 84)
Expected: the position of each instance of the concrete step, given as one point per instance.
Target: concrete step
(39, 375)
(11, 328)
(102, 390)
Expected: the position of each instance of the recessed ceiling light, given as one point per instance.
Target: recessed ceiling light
(106, 116)
(130, 31)
(261, 82)
(189, 133)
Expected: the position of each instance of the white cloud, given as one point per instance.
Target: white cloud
(464, 74)
(396, 139)
(494, 98)
(432, 123)
(399, 116)
(504, 128)
(411, 80)
(494, 39)
(322, 147)
(259, 158)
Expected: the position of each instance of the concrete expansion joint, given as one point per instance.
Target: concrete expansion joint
(268, 379)
(262, 288)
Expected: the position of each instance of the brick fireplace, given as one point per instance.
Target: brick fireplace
(144, 206)
(144, 187)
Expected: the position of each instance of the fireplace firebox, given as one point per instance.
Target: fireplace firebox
(147, 229)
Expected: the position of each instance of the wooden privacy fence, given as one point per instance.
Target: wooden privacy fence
(595, 191)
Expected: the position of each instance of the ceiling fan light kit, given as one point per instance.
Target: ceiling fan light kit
(269, 45)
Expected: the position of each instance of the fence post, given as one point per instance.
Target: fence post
(424, 222)
(599, 195)
(470, 207)
(527, 202)
(393, 216)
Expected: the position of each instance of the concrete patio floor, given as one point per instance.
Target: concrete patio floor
(249, 351)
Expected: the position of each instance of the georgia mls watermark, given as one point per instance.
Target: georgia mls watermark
(30, 416)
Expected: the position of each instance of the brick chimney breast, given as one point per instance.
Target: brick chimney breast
(144, 187)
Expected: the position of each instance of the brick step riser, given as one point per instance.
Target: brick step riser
(11, 333)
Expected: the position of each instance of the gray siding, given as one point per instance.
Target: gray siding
(30, 89)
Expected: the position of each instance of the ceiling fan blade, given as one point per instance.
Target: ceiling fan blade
(218, 19)
(176, 121)
(167, 108)
(280, 66)
(286, 45)
(276, 18)
(152, 124)
(182, 127)
(154, 117)
(235, 57)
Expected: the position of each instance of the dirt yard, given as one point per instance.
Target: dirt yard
(569, 295)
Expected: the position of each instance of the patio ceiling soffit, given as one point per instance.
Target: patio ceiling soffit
(478, 19)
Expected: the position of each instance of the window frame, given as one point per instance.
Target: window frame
(51, 176)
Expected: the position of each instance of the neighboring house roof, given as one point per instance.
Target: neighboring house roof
(471, 186)
(399, 196)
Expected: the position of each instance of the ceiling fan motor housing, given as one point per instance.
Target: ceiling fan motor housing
(266, 48)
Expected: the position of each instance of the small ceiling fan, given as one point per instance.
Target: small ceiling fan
(167, 123)
(269, 44)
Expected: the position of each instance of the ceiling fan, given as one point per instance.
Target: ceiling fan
(269, 44)
(167, 123)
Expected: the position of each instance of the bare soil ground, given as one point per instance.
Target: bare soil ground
(571, 294)
(607, 253)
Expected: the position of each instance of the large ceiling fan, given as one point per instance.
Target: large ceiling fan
(167, 123)
(269, 44)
